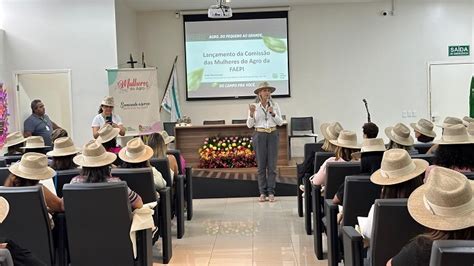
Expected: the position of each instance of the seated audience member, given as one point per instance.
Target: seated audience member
(32, 168)
(62, 154)
(58, 133)
(400, 138)
(35, 144)
(106, 116)
(96, 162)
(14, 142)
(346, 144)
(108, 138)
(370, 130)
(137, 155)
(19, 255)
(455, 150)
(371, 156)
(39, 123)
(424, 132)
(330, 131)
(445, 206)
(448, 121)
(158, 143)
(399, 175)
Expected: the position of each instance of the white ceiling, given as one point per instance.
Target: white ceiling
(155, 5)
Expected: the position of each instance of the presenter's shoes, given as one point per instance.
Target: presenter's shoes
(262, 198)
(271, 198)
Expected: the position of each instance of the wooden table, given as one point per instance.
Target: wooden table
(190, 138)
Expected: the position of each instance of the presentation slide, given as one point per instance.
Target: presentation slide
(229, 58)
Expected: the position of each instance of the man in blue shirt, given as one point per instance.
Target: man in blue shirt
(38, 123)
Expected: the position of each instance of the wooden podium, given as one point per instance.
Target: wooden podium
(190, 138)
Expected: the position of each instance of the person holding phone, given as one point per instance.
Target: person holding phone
(264, 115)
(106, 116)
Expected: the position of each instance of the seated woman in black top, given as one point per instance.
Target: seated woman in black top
(444, 205)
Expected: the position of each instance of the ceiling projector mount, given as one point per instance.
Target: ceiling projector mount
(221, 10)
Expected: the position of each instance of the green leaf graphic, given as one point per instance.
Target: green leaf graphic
(194, 79)
(274, 44)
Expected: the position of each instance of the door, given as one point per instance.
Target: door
(53, 88)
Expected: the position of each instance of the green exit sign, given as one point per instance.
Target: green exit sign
(459, 50)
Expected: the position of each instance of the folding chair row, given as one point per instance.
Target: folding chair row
(188, 183)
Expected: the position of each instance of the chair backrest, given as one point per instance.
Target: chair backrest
(239, 121)
(427, 157)
(452, 252)
(27, 222)
(302, 124)
(469, 175)
(163, 166)
(320, 158)
(353, 246)
(422, 147)
(169, 127)
(336, 174)
(311, 148)
(11, 159)
(98, 235)
(177, 156)
(64, 177)
(393, 227)
(359, 195)
(139, 180)
(214, 122)
(3, 163)
(4, 173)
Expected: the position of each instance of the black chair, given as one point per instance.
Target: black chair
(239, 121)
(188, 183)
(28, 223)
(427, 157)
(141, 181)
(64, 177)
(177, 197)
(309, 150)
(169, 127)
(3, 163)
(452, 252)
(4, 173)
(319, 159)
(422, 148)
(304, 125)
(336, 174)
(359, 195)
(101, 236)
(11, 159)
(352, 241)
(469, 175)
(389, 216)
(214, 122)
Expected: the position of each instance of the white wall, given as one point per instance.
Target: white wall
(339, 54)
(53, 34)
(127, 33)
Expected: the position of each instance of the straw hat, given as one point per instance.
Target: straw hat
(136, 151)
(371, 145)
(108, 101)
(264, 85)
(34, 142)
(399, 134)
(107, 133)
(13, 139)
(445, 202)
(166, 137)
(331, 131)
(4, 209)
(456, 134)
(470, 129)
(397, 167)
(63, 147)
(424, 127)
(346, 139)
(94, 155)
(449, 121)
(33, 166)
(467, 120)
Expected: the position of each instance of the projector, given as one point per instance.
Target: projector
(219, 11)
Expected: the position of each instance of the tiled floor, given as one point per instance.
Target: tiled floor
(242, 231)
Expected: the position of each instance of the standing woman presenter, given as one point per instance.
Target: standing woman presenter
(264, 115)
